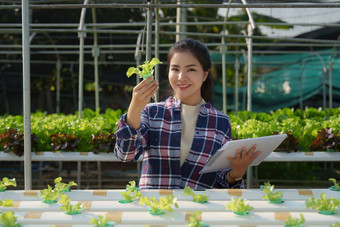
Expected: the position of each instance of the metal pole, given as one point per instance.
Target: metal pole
(180, 17)
(149, 33)
(26, 94)
(250, 67)
(224, 83)
(81, 35)
(96, 53)
(157, 29)
(58, 66)
(137, 51)
(330, 74)
(237, 68)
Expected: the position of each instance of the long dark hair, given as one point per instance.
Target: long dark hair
(201, 52)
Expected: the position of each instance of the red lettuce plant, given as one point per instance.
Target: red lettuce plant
(103, 142)
(13, 140)
(64, 142)
(326, 140)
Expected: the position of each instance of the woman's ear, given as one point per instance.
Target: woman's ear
(206, 75)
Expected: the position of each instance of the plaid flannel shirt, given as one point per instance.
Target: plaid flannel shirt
(158, 139)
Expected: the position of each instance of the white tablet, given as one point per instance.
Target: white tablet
(265, 144)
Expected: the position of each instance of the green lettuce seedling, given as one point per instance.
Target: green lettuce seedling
(101, 221)
(337, 224)
(159, 206)
(68, 208)
(322, 204)
(295, 221)
(6, 203)
(195, 222)
(271, 195)
(48, 194)
(7, 182)
(143, 70)
(8, 219)
(63, 186)
(239, 205)
(132, 185)
(336, 186)
(265, 185)
(196, 198)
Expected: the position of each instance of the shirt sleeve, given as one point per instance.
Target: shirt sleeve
(222, 179)
(130, 142)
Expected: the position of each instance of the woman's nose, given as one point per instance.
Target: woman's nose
(181, 76)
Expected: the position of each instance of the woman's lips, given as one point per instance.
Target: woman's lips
(183, 86)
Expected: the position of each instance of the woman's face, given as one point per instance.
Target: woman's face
(186, 76)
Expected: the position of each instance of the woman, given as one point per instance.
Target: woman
(177, 136)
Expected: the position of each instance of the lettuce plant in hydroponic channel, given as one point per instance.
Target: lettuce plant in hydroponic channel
(274, 197)
(195, 220)
(63, 187)
(102, 221)
(8, 219)
(49, 195)
(239, 206)
(103, 142)
(13, 141)
(324, 205)
(295, 222)
(335, 186)
(326, 140)
(64, 142)
(157, 207)
(6, 203)
(68, 208)
(5, 182)
(198, 198)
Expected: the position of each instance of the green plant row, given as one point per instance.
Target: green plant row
(308, 129)
(44, 126)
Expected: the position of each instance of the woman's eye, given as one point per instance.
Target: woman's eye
(191, 70)
(174, 70)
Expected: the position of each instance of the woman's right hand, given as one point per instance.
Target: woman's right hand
(141, 95)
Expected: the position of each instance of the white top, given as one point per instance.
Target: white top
(189, 115)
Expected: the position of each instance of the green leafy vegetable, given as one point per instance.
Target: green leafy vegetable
(336, 185)
(48, 194)
(101, 221)
(13, 141)
(164, 203)
(6, 203)
(337, 224)
(8, 219)
(64, 142)
(131, 188)
(195, 220)
(322, 204)
(143, 70)
(271, 195)
(196, 197)
(295, 221)
(103, 142)
(68, 208)
(7, 182)
(326, 140)
(63, 186)
(239, 205)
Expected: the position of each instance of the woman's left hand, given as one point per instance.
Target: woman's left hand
(242, 160)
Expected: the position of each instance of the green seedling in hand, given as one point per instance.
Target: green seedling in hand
(196, 198)
(144, 70)
(7, 182)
